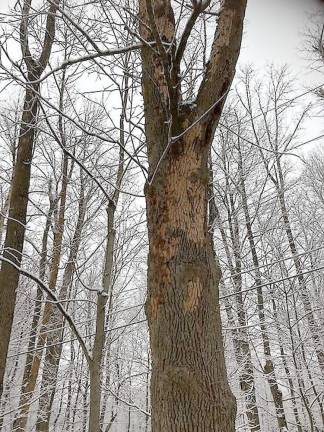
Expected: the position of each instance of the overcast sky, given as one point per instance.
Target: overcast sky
(274, 32)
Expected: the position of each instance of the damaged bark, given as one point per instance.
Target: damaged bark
(189, 388)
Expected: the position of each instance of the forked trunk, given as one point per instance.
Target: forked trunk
(189, 388)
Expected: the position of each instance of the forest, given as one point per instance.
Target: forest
(161, 205)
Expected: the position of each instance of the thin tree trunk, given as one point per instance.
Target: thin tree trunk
(85, 406)
(11, 379)
(240, 336)
(24, 395)
(268, 368)
(305, 367)
(22, 416)
(312, 322)
(300, 381)
(95, 364)
(3, 214)
(16, 226)
(284, 360)
(54, 351)
(108, 372)
(107, 285)
(147, 393)
(67, 413)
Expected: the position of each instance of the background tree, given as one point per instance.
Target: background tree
(15, 231)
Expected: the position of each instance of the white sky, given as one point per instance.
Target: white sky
(274, 32)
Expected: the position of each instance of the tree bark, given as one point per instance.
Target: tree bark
(189, 388)
(188, 366)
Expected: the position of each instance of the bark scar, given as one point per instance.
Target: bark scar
(194, 288)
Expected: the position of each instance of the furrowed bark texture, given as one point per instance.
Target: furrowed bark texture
(189, 388)
(15, 232)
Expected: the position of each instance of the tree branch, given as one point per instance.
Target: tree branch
(224, 54)
(198, 8)
(51, 294)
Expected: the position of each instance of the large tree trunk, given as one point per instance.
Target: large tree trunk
(189, 388)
